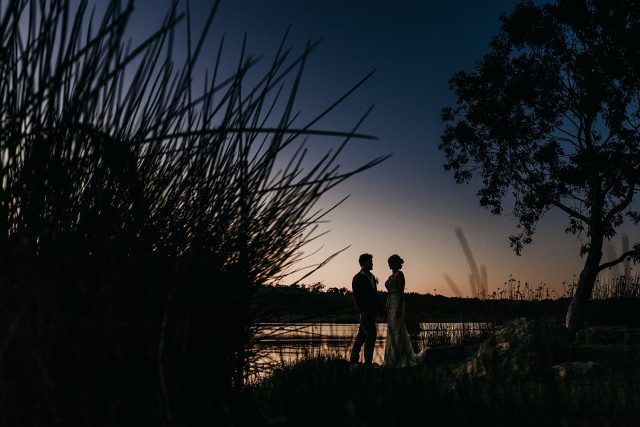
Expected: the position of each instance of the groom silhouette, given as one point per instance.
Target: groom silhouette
(365, 296)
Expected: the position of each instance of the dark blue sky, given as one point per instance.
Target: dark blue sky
(408, 205)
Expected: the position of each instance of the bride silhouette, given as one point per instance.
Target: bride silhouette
(398, 352)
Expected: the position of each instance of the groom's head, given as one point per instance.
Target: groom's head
(366, 262)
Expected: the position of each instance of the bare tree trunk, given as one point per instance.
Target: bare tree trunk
(575, 319)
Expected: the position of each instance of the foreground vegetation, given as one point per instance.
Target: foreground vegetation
(146, 189)
(325, 391)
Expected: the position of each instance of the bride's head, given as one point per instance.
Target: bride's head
(395, 262)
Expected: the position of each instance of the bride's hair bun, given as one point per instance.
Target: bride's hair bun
(395, 259)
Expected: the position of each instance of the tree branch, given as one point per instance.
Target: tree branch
(624, 203)
(576, 198)
(618, 260)
(571, 212)
(554, 202)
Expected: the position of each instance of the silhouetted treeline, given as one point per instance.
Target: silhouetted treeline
(303, 304)
(313, 304)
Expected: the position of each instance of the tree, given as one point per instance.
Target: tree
(549, 119)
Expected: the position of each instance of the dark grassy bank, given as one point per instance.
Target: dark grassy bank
(324, 392)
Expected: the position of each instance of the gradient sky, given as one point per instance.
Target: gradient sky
(408, 205)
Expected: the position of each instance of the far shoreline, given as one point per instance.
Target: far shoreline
(301, 305)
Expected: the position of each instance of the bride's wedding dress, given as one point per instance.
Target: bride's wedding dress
(398, 352)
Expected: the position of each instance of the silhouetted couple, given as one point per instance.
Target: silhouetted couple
(398, 352)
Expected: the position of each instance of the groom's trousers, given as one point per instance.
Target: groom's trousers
(367, 336)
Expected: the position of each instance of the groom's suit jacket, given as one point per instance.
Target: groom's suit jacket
(365, 294)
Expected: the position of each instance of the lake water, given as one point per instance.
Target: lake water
(279, 344)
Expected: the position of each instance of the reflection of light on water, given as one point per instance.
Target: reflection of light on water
(279, 344)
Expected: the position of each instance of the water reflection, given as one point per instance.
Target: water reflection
(278, 344)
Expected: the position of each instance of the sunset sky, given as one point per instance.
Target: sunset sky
(408, 205)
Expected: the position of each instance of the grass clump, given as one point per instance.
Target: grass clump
(144, 196)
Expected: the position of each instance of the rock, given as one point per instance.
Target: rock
(520, 347)
(575, 369)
